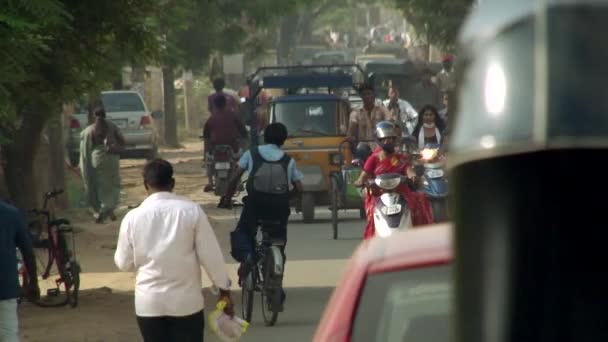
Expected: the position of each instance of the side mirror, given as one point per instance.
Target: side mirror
(371, 78)
(157, 114)
(409, 139)
(245, 110)
(419, 169)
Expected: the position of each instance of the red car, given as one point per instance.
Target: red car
(393, 289)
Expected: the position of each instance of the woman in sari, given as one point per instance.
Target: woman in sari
(100, 147)
(386, 160)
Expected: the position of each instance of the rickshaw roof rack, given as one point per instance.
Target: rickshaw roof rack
(308, 76)
(390, 66)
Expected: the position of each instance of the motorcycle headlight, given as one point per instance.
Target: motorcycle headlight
(428, 153)
(388, 183)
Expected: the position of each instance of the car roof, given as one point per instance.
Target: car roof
(413, 248)
(307, 98)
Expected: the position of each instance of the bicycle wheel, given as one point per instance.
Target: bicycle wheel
(271, 293)
(247, 292)
(23, 277)
(334, 209)
(71, 282)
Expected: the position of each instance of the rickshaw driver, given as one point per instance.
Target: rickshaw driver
(362, 121)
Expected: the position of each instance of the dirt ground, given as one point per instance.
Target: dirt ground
(106, 311)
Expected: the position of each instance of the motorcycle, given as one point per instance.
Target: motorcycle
(434, 182)
(223, 161)
(391, 212)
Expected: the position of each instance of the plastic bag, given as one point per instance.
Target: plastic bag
(228, 329)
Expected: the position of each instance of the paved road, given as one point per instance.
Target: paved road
(314, 265)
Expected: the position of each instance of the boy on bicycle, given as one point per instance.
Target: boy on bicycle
(271, 172)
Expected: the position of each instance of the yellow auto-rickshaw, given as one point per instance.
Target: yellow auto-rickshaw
(316, 113)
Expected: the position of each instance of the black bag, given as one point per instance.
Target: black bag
(241, 244)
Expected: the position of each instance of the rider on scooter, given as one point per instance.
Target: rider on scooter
(386, 160)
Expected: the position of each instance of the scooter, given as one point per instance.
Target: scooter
(224, 162)
(434, 183)
(391, 212)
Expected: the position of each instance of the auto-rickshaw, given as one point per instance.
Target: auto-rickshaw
(333, 56)
(317, 123)
(399, 73)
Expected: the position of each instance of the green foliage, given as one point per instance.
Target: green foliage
(25, 27)
(439, 21)
(194, 29)
(53, 51)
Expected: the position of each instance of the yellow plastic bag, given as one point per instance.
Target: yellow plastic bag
(228, 329)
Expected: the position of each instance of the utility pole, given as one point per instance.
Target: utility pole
(188, 107)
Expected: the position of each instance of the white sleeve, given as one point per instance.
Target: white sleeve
(354, 118)
(123, 258)
(209, 253)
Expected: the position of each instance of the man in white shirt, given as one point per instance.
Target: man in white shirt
(363, 120)
(166, 241)
(402, 110)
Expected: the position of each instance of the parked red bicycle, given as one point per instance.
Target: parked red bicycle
(57, 237)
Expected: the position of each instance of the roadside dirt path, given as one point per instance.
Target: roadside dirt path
(106, 312)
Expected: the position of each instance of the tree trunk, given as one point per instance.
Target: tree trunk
(287, 38)
(191, 120)
(304, 27)
(171, 138)
(19, 157)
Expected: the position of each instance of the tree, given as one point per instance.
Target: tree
(297, 26)
(23, 41)
(438, 21)
(64, 48)
(189, 41)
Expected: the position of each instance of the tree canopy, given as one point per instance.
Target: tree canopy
(56, 51)
(439, 21)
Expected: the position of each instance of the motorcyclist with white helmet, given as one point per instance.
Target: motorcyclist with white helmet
(386, 159)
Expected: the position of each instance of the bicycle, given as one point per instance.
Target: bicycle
(266, 266)
(265, 275)
(61, 252)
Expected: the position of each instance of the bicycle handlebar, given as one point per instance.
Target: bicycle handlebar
(53, 194)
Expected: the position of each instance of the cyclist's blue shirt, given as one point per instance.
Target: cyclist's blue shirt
(272, 152)
(13, 235)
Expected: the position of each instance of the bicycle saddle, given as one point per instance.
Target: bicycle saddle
(59, 222)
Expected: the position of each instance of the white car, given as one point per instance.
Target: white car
(128, 111)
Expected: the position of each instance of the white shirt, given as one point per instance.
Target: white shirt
(408, 116)
(165, 241)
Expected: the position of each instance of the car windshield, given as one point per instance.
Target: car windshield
(122, 102)
(405, 306)
(307, 119)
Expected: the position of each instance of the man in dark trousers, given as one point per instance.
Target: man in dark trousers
(166, 241)
(13, 235)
